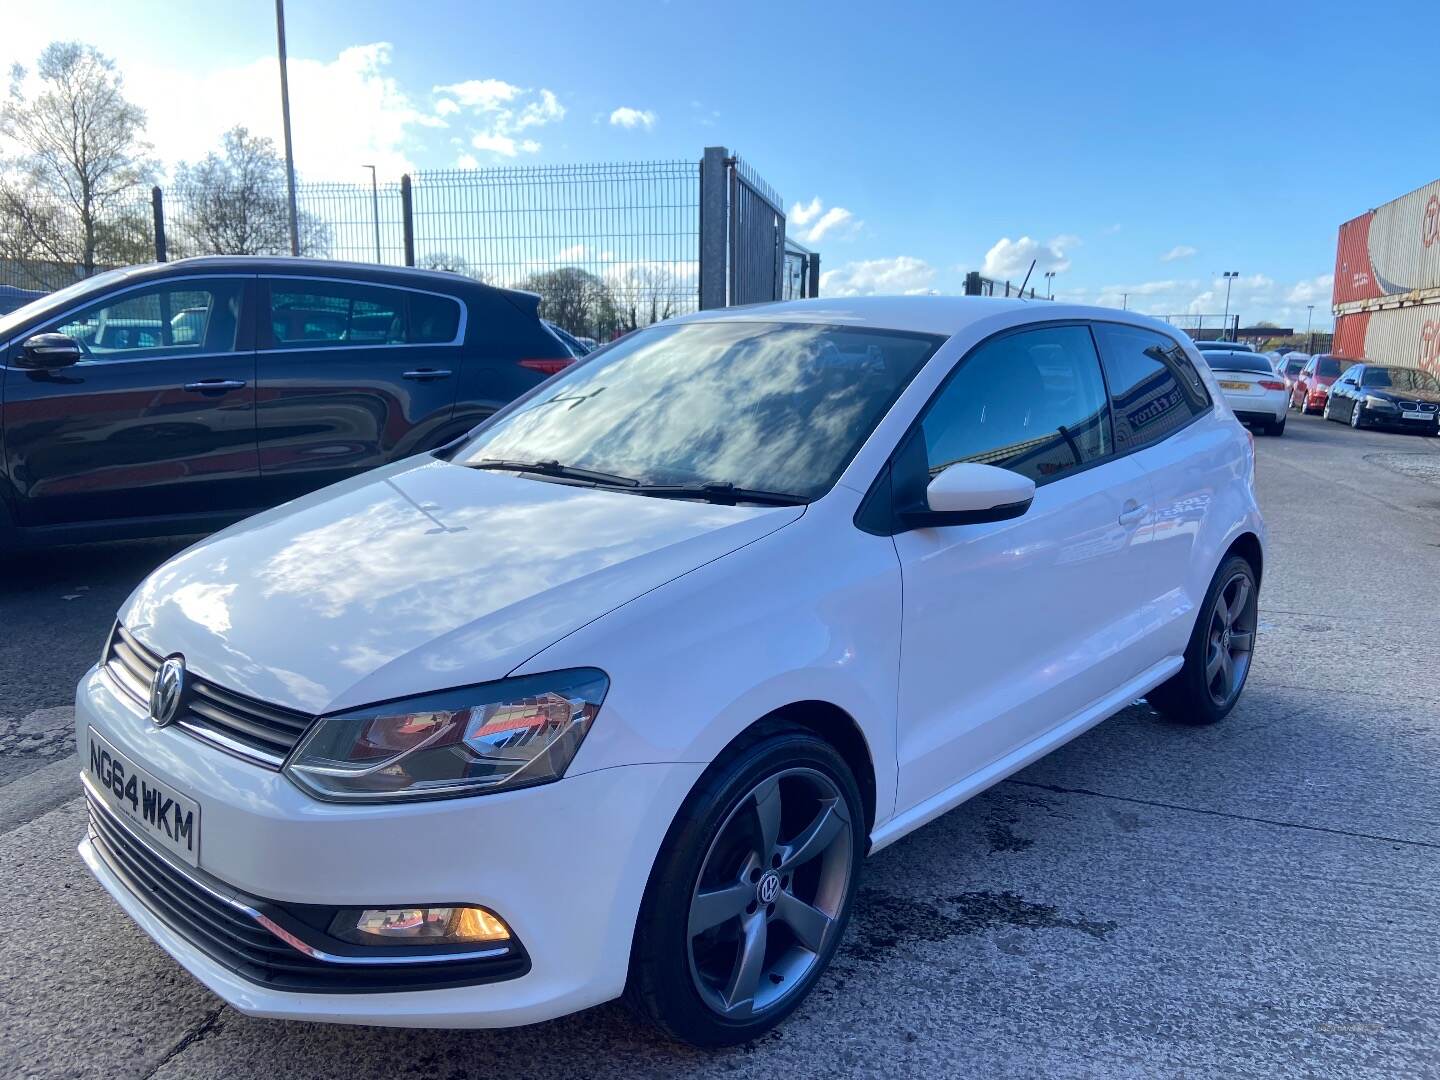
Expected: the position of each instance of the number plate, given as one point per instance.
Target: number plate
(1417, 415)
(162, 815)
(1236, 386)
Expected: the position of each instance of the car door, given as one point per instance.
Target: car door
(1011, 628)
(158, 418)
(350, 375)
(1350, 395)
(1156, 397)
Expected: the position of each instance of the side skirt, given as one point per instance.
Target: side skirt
(927, 811)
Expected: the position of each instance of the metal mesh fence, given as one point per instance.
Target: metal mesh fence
(616, 246)
(609, 247)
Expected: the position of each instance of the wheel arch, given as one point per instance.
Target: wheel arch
(1247, 545)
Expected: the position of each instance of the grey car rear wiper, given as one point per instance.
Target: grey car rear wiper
(726, 494)
(554, 468)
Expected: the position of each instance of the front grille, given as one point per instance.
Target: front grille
(228, 932)
(1417, 406)
(264, 734)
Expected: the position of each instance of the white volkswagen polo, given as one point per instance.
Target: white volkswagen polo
(614, 695)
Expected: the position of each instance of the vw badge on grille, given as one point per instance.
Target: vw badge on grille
(167, 690)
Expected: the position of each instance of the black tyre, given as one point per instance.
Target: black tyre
(751, 891)
(1275, 427)
(1217, 659)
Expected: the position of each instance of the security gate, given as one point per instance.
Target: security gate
(742, 234)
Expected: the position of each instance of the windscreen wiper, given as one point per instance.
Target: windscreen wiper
(726, 494)
(554, 468)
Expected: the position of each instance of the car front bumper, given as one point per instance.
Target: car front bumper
(564, 864)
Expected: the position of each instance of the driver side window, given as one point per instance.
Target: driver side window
(1032, 402)
(176, 318)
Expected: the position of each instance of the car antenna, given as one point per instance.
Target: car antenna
(1027, 279)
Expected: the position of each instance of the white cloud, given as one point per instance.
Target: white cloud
(1008, 260)
(810, 222)
(1316, 290)
(1179, 251)
(496, 112)
(627, 117)
(1254, 297)
(901, 274)
(345, 112)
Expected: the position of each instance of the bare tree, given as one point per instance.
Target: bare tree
(456, 264)
(234, 203)
(652, 294)
(82, 152)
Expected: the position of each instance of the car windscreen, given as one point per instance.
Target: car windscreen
(1402, 379)
(764, 405)
(1237, 361)
(1294, 367)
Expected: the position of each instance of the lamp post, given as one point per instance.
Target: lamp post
(375, 208)
(1309, 337)
(1230, 276)
(285, 114)
(1050, 283)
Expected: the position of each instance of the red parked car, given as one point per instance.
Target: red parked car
(1312, 386)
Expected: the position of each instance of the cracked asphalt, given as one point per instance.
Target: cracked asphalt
(1255, 899)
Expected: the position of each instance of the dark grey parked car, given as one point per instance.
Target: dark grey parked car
(178, 397)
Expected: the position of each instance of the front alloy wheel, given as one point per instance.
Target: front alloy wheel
(751, 890)
(764, 907)
(1357, 418)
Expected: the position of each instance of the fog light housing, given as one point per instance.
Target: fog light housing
(451, 924)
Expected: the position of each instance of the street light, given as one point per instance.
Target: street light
(1230, 276)
(285, 114)
(375, 207)
(1309, 337)
(1050, 283)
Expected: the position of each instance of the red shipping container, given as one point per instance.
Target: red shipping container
(1391, 253)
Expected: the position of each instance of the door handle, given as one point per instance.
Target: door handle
(426, 374)
(1133, 512)
(205, 386)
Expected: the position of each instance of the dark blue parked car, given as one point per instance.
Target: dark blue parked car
(179, 397)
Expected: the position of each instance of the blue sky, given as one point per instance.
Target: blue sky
(1129, 148)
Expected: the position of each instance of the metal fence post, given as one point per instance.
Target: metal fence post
(157, 211)
(714, 224)
(778, 292)
(813, 273)
(407, 219)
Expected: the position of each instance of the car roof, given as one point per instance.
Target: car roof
(946, 315)
(446, 280)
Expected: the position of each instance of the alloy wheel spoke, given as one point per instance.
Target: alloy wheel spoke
(1214, 664)
(1236, 608)
(1242, 641)
(739, 995)
(710, 909)
(1222, 609)
(1227, 669)
(811, 925)
(767, 814)
(816, 837)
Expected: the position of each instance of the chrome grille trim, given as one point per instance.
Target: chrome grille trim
(254, 730)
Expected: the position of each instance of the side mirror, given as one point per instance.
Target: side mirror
(47, 352)
(970, 494)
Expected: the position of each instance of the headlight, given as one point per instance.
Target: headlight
(506, 734)
(1373, 402)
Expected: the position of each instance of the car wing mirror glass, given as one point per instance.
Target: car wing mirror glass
(47, 352)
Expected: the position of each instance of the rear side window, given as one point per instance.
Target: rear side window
(1154, 388)
(325, 313)
(1032, 402)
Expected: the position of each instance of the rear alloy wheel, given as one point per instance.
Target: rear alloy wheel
(751, 893)
(1217, 659)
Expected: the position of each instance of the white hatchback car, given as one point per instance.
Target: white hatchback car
(614, 695)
